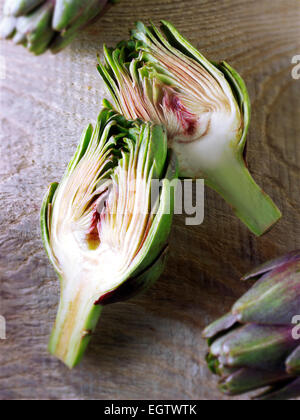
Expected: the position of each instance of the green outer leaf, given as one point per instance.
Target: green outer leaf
(239, 87)
(45, 222)
(66, 11)
(36, 29)
(81, 149)
(109, 81)
(255, 346)
(273, 300)
(67, 18)
(220, 326)
(246, 380)
(21, 7)
(69, 27)
(293, 362)
(61, 42)
(212, 363)
(272, 265)
(283, 391)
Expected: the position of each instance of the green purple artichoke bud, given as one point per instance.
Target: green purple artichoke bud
(48, 24)
(159, 76)
(257, 344)
(104, 230)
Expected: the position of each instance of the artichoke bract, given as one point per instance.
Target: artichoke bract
(159, 76)
(42, 24)
(104, 227)
(257, 344)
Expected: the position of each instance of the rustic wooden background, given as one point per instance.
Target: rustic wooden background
(150, 347)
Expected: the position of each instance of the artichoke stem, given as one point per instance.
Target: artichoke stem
(75, 323)
(250, 203)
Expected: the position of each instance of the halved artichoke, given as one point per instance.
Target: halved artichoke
(104, 228)
(159, 76)
(43, 24)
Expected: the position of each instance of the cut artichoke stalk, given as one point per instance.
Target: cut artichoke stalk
(103, 231)
(42, 24)
(253, 346)
(160, 77)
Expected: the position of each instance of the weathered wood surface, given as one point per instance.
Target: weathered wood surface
(150, 347)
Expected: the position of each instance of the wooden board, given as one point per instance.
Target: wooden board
(150, 347)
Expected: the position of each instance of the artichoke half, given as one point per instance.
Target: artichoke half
(159, 76)
(43, 24)
(104, 229)
(257, 344)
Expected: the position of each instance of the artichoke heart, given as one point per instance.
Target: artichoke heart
(159, 76)
(105, 227)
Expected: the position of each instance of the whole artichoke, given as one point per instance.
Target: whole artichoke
(43, 24)
(159, 76)
(257, 344)
(104, 228)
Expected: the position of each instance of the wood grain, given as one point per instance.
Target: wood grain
(150, 347)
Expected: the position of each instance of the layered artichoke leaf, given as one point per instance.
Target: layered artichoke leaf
(293, 362)
(285, 390)
(104, 227)
(274, 299)
(40, 25)
(252, 356)
(20, 7)
(254, 345)
(159, 76)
